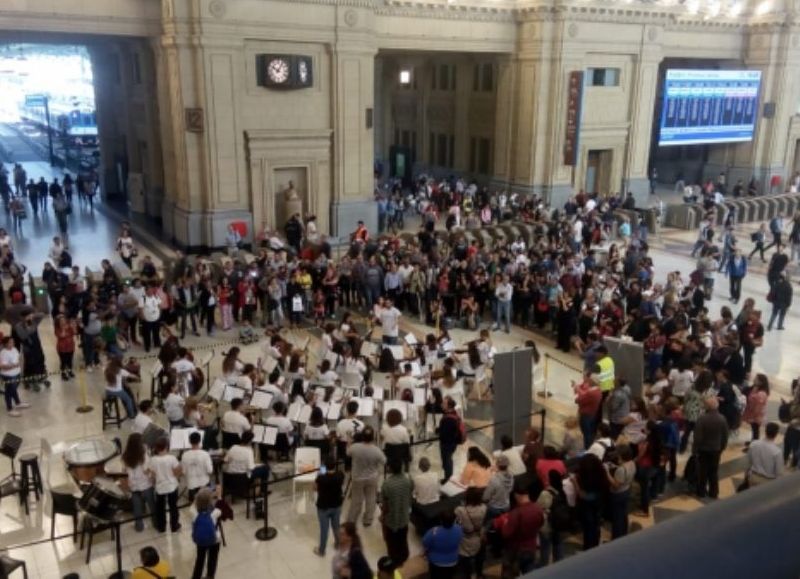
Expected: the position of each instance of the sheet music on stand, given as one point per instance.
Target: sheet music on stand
(453, 488)
(397, 352)
(420, 396)
(334, 411)
(261, 399)
(377, 393)
(232, 392)
(324, 406)
(294, 411)
(269, 364)
(366, 407)
(396, 404)
(368, 349)
(217, 389)
(305, 414)
(448, 346)
(410, 339)
(179, 438)
(264, 434)
(416, 369)
(152, 434)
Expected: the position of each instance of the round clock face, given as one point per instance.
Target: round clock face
(302, 70)
(278, 70)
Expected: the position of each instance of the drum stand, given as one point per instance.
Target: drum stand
(10, 447)
(265, 533)
(119, 573)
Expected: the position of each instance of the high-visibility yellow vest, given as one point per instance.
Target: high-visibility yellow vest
(606, 374)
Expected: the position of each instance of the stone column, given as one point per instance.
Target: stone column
(643, 97)
(353, 60)
(462, 95)
(776, 52)
(504, 124)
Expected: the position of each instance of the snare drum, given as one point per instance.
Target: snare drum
(103, 499)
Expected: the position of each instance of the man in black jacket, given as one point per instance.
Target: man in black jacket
(449, 436)
(710, 439)
(777, 264)
(781, 300)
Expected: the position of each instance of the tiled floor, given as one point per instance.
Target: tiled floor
(53, 417)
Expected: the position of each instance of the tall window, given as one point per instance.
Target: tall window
(603, 76)
(442, 149)
(480, 155)
(483, 77)
(444, 77)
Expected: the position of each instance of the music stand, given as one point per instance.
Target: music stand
(10, 448)
(265, 533)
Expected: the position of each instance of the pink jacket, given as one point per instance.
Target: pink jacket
(755, 412)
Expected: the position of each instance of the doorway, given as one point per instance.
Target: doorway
(598, 171)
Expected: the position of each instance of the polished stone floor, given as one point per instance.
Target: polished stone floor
(53, 417)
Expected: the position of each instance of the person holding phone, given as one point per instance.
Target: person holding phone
(330, 497)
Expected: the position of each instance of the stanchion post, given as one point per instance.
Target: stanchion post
(266, 533)
(85, 406)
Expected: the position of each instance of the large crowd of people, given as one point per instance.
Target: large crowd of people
(579, 281)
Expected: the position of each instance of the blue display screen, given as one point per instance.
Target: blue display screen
(709, 106)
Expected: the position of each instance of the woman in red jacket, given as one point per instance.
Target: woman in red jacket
(65, 345)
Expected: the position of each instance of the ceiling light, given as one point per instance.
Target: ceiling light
(405, 77)
(763, 8)
(692, 6)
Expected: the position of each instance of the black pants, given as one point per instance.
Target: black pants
(736, 288)
(199, 562)
(708, 474)
(688, 427)
(150, 335)
(66, 361)
(192, 315)
(396, 544)
(776, 240)
(162, 501)
(132, 327)
(208, 314)
(758, 248)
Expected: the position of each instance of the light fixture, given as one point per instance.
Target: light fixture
(763, 8)
(735, 9)
(692, 6)
(405, 77)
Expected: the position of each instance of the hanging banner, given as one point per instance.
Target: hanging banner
(573, 128)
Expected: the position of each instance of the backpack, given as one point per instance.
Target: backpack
(559, 517)
(204, 531)
(755, 236)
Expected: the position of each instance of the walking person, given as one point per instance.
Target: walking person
(737, 270)
(368, 462)
(776, 229)
(137, 467)
(62, 209)
(329, 484)
(396, 495)
(449, 436)
(166, 470)
(781, 293)
(205, 534)
(710, 439)
(759, 237)
(777, 265)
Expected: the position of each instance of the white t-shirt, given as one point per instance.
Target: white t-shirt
(328, 378)
(138, 479)
(284, 426)
(183, 365)
(141, 422)
(347, 427)
(316, 432)
(151, 308)
(681, 381)
(173, 407)
(234, 422)
(197, 468)
(389, 318)
(10, 357)
(397, 434)
(240, 460)
(426, 488)
(117, 386)
(163, 466)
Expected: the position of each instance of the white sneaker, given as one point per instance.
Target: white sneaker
(23, 405)
(14, 413)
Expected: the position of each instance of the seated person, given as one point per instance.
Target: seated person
(515, 465)
(152, 565)
(234, 423)
(247, 335)
(477, 471)
(240, 459)
(426, 484)
(143, 419)
(281, 422)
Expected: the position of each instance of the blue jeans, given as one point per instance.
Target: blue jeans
(130, 408)
(139, 500)
(328, 517)
(503, 314)
(587, 424)
(619, 514)
(589, 513)
(10, 387)
(549, 542)
(446, 451)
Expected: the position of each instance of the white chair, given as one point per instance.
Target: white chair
(65, 484)
(306, 460)
(352, 381)
(382, 380)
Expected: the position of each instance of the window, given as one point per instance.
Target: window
(444, 77)
(409, 85)
(483, 77)
(137, 69)
(603, 76)
(442, 149)
(480, 155)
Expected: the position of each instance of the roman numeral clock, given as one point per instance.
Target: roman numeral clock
(284, 71)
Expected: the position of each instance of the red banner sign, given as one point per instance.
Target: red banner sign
(573, 129)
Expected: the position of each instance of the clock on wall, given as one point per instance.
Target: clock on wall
(285, 71)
